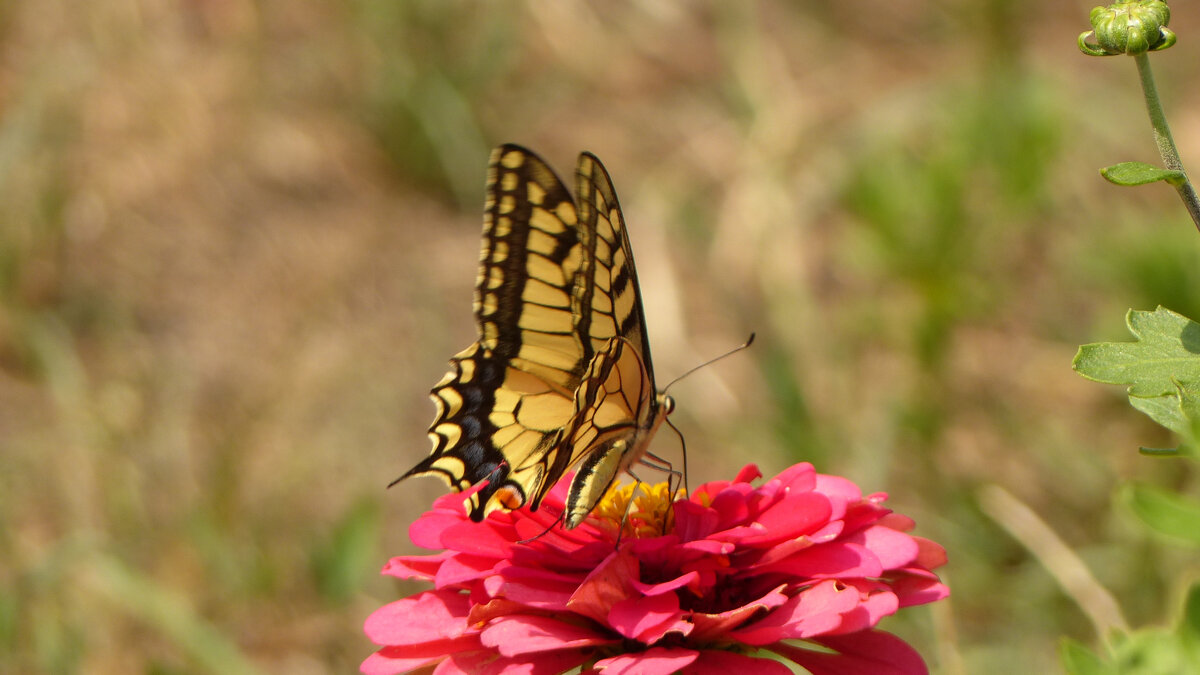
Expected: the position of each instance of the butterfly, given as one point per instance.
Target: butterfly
(560, 376)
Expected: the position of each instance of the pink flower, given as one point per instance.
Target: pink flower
(701, 585)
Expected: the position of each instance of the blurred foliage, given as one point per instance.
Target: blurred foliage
(237, 244)
(1150, 651)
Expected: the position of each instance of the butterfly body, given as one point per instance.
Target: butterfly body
(560, 376)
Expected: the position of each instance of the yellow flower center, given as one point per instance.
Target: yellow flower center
(650, 514)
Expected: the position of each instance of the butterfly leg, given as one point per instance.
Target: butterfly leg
(674, 477)
(673, 480)
(628, 504)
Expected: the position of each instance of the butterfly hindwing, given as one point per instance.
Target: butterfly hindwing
(558, 310)
(611, 406)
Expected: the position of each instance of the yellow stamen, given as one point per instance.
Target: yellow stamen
(650, 515)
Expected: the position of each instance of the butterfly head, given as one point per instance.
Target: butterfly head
(666, 404)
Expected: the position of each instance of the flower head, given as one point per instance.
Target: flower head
(1133, 27)
(700, 585)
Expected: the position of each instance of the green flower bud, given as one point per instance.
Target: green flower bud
(1129, 28)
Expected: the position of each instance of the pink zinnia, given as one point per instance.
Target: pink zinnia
(700, 585)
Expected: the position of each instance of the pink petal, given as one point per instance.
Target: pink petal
(381, 663)
(666, 586)
(481, 539)
(870, 610)
(865, 653)
(495, 608)
(469, 663)
(897, 522)
(653, 661)
(424, 617)
(528, 634)
(918, 587)
(647, 619)
(545, 663)
(715, 662)
(426, 531)
(798, 513)
(812, 612)
(534, 587)
(416, 566)
(607, 585)
(863, 514)
(828, 561)
(748, 474)
(932, 555)
(714, 626)
(800, 476)
(563, 555)
(837, 487)
(654, 548)
(578, 549)
(694, 521)
(462, 568)
(823, 535)
(704, 547)
(893, 549)
(734, 504)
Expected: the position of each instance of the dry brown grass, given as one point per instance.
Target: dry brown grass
(238, 241)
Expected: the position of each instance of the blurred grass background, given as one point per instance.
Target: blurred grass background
(238, 239)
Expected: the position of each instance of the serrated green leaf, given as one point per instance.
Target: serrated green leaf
(1165, 512)
(1077, 659)
(1165, 356)
(1162, 369)
(1139, 173)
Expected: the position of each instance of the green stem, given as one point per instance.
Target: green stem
(1162, 138)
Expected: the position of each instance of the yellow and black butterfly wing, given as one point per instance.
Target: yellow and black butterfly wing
(609, 302)
(608, 311)
(614, 408)
(556, 283)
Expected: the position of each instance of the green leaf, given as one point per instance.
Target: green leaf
(1165, 512)
(1077, 659)
(1165, 410)
(1189, 625)
(1139, 173)
(1151, 651)
(1162, 370)
(1179, 412)
(1165, 356)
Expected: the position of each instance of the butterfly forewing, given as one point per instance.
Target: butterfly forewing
(556, 291)
(611, 304)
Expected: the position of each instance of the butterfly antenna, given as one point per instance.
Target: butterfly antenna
(749, 341)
